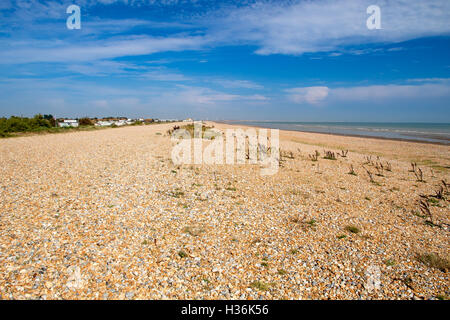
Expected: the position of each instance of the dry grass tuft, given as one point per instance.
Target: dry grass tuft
(352, 229)
(370, 176)
(368, 160)
(343, 153)
(425, 209)
(194, 231)
(314, 156)
(352, 171)
(433, 260)
(329, 155)
(380, 169)
(419, 174)
(260, 285)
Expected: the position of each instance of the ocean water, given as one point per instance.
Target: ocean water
(429, 132)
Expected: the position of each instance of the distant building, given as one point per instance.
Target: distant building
(120, 123)
(188, 120)
(166, 120)
(104, 123)
(68, 123)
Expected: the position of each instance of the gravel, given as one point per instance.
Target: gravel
(105, 214)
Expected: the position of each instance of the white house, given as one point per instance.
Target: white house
(68, 123)
(104, 123)
(120, 123)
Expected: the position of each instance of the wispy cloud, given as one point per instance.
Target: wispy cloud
(25, 52)
(374, 93)
(421, 80)
(290, 28)
(381, 93)
(311, 95)
(206, 96)
(238, 84)
(162, 74)
(329, 25)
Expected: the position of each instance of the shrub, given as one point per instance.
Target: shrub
(85, 122)
(20, 124)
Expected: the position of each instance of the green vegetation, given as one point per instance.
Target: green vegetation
(176, 194)
(182, 254)
(260, 285)
(17, 126)
(8, 127)
(389, 262)
(352, 229)
(194, 231)
(190, 128)
(282, 272)
(85, 122)
(434, 261)
(433, 201)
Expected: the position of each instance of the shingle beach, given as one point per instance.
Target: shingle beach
(106, 214)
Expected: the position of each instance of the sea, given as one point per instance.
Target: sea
(422, 132)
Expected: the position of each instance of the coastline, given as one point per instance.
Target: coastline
(434, 155)
(338, 134)
(132, 219)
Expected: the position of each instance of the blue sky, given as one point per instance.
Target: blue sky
(261, 60)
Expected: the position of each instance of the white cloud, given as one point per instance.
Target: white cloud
(246, 84)
(329, 25)
(206, 96)
(164, 76)
(284, 27)
(311, 95)
(368, 94)
(26, 52)
(429, 80)
(102, 68)
(381, 93)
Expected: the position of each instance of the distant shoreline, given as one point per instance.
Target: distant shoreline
(238, 122)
